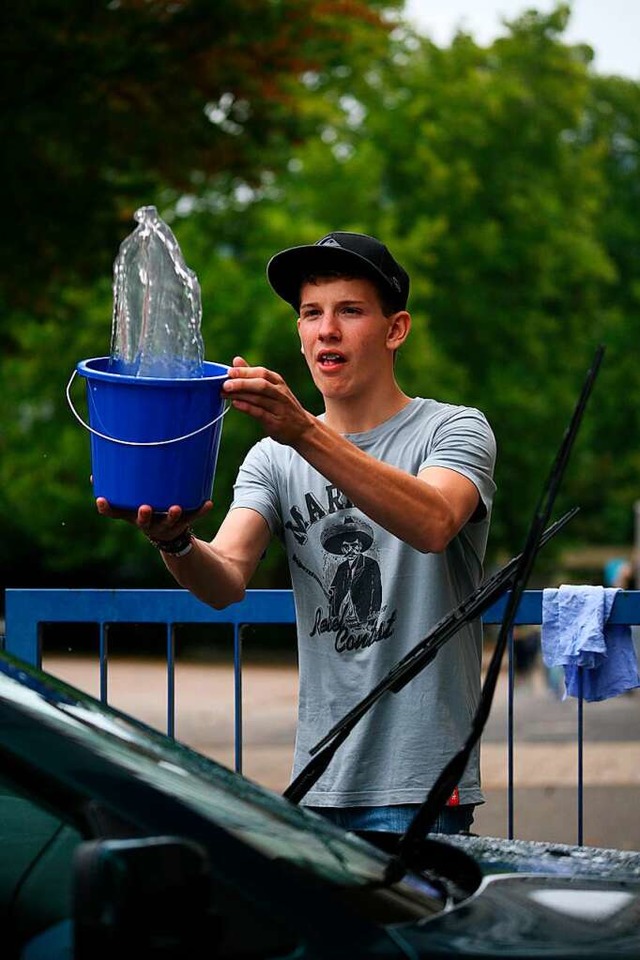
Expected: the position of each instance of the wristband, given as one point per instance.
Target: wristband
(180, 546)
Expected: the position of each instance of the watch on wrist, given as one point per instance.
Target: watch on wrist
(180, 546)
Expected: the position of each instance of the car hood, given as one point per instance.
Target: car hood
(514, 898)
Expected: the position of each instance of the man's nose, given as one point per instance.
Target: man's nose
(329, 327)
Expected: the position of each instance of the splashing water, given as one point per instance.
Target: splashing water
(157, 306)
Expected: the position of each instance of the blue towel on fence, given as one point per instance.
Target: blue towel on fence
(576, 634)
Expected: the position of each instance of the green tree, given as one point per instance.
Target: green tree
(500, 177)
(112, 105)
(504, 177)
(109, 105)
(613, 127)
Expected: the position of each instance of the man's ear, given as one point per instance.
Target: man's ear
(399, 327)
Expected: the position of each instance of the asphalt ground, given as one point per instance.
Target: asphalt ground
(545, 754)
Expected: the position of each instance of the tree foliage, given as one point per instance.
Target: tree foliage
(488, 173)
(111, 103)
(504, 177)
(120, 104)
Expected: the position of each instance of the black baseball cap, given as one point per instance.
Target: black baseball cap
(343, 252)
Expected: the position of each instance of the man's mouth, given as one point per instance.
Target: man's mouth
(329, 359)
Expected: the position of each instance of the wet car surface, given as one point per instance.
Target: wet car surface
(119, 840)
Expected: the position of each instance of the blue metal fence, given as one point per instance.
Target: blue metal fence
(28, 611)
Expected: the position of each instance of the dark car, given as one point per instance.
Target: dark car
(118, 841)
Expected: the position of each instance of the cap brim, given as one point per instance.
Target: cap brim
(287, 270)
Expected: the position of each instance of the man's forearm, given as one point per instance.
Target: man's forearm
(410, 508)
(210, 577)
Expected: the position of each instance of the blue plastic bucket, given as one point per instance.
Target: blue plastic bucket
(153, 440)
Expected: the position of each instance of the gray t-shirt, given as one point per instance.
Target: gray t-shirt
(364, 599)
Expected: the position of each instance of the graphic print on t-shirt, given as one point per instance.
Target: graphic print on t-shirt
(355, 593)
(352, 587)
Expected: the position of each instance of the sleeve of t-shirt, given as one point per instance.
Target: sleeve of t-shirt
(463, 441)
(256, 485)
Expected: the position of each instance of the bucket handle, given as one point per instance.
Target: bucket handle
(139, 443)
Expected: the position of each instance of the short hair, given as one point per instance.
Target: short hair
(388, 309)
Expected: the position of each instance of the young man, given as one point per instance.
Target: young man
(383, 504)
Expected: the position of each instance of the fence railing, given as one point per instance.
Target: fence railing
(29, 611)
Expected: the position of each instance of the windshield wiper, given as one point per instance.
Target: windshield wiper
(442, 789)
(411, 664)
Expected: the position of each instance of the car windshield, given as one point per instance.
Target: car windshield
(261, 818)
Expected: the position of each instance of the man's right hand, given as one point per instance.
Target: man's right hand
(157, 526)
(264, 395)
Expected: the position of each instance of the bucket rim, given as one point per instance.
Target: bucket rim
(93, 368)
(226, 406)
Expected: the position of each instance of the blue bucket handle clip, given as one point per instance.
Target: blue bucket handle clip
(139, 443)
